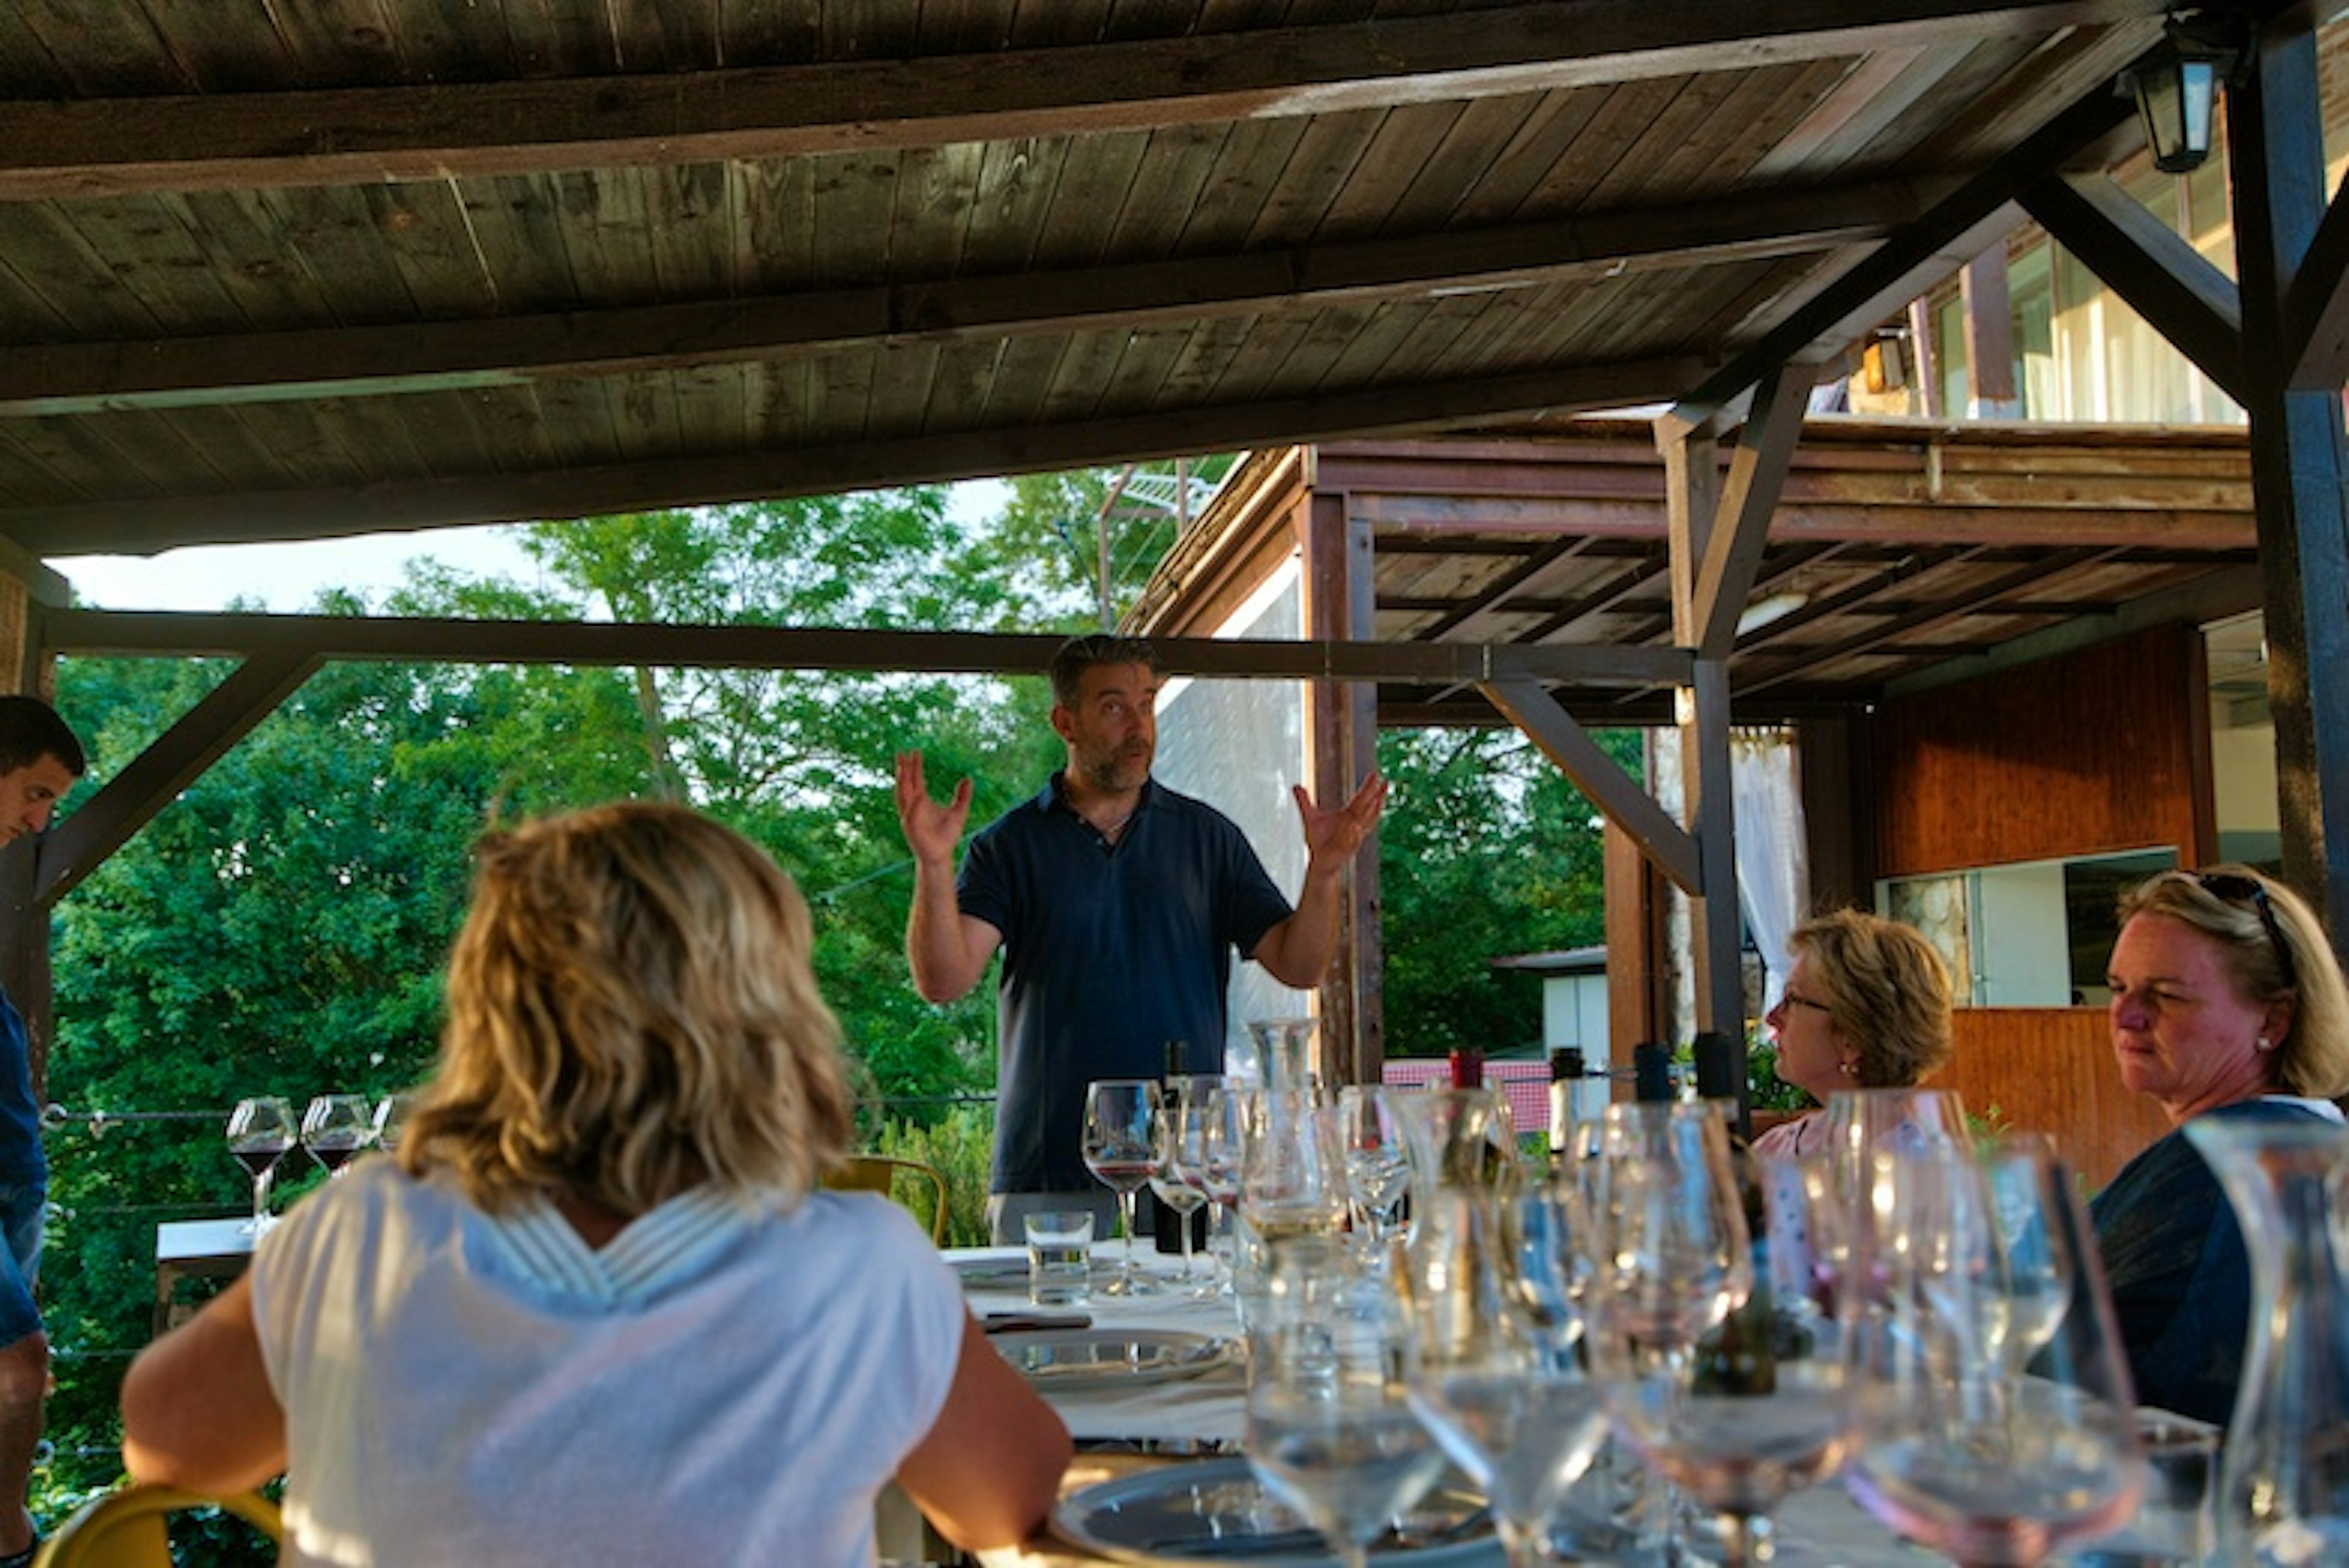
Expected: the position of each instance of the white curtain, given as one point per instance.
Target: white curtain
(1773, 878)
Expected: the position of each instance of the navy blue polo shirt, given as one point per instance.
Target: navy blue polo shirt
(1108, 952)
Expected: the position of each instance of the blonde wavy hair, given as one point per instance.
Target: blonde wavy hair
(2312, 1057)
(1886, 992)
(632, 1013)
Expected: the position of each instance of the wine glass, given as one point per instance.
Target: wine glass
(1171, 1178)
(1736, 1405)
(1995, 1428)
(335, 1127)
(1120, 1150)
(1214, 1132)
(1330, 1430)
(1493, 1369)
(1292, 1172)
(260, 1132)
(391, 1117)
(1378, 1159)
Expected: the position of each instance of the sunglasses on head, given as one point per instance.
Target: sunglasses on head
(2231, 888)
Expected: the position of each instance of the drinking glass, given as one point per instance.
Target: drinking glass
(260, 1132)
(1493, 1369)
(1996, 1421)
(1120, 1150)
(1740, 1411)
(1378, 1159)
(1213, 1133)
(1292, 1172)
(335, 1127)
(391, 1117)
(1330, 1430)
(1171, 1178)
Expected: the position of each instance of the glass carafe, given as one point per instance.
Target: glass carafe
(2283, 1498)
(1456, 1138)
(1287, 1060)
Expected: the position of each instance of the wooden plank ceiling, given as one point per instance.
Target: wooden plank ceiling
(320, 267)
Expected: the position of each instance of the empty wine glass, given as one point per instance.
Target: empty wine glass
(391, 1117)
(1378, 1159)
(1213, 1134)
(1121, 1149)
(1171, 1178)
(260, 1132)
(1757, 1404)
(1493, 1367)
(1329, 1427)
(335, 1127)
(1991, 1459)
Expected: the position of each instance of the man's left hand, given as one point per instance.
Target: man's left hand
(1332, 837)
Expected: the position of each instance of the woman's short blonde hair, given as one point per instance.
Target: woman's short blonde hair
(632, 1013)
(2312, 1057)
(1886, 992)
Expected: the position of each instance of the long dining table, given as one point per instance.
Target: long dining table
(1121, 1428)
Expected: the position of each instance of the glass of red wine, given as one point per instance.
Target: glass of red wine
(336, 1127)
(1121, 1149)
(260, 1132)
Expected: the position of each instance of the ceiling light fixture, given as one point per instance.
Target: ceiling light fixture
(2175, 84)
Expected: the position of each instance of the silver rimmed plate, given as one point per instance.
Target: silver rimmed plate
(1215, 1510)
(1073, 1358)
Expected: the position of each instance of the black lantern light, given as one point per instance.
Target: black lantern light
(2176, 84)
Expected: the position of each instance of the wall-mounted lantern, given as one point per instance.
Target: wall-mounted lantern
(2175, 84)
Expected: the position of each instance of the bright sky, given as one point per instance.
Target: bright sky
(286, 577)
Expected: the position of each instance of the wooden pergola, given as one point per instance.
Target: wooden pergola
(302, 271)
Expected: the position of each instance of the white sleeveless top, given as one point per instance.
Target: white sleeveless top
(712, 1387)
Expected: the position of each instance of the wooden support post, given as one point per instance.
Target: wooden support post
(1342, 717)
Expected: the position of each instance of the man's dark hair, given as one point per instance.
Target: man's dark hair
(31, 730)
(1080, 654)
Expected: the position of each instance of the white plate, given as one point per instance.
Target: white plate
(1215, 1510)
(1074, 1358)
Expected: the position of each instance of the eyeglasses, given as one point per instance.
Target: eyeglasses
(1791, 998)
(2230, 887)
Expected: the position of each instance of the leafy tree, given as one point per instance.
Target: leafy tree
(1486, 850)
(1059, 524)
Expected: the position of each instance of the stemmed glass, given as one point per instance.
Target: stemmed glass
(1493, 1369)
(335, 1127)
(1121, 1149)
(1378, 1159)
(391, 1117)
(1214, 1127)
(1736, 1385)
(260, 1132)
(1996, 1418)
(1171, 1178)
(1329, 1429)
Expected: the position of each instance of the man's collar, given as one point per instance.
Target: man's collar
(1055, 796)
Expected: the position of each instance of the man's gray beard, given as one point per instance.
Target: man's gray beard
(1103, 777)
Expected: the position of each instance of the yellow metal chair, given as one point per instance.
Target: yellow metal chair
(125, 1528)
(926, 1194)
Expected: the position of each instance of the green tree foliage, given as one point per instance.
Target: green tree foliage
(1487, 850)
(1059, 525)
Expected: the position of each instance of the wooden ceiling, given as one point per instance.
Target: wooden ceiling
(278, 269)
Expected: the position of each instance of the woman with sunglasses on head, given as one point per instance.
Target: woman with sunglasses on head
(1866, 1006)
(2227, 1001)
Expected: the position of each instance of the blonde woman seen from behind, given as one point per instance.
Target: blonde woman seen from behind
(598, 1308)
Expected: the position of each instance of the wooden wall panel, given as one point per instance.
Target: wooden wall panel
(2102, 750)
(2050, 1069)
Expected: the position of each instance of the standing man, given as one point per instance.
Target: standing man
(40, 761)
(1118, 904)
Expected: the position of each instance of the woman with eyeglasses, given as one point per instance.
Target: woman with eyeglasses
(1866, 1006)
(2227, 1001)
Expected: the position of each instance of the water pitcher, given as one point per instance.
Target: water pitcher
(2284, 1500)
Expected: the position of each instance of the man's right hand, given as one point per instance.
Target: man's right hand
(932, 831)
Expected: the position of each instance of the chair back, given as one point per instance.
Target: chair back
(125, 1528)
(924, 1192)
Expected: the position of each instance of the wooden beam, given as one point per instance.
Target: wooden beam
(555, 493)
(1757, 474)
(45, 379)
(2316, 306)
(1978, 214)
(129, 800)
(1530, 707)
(2164, 279)
(1714, 921)
(456, 130)
(132, 633)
